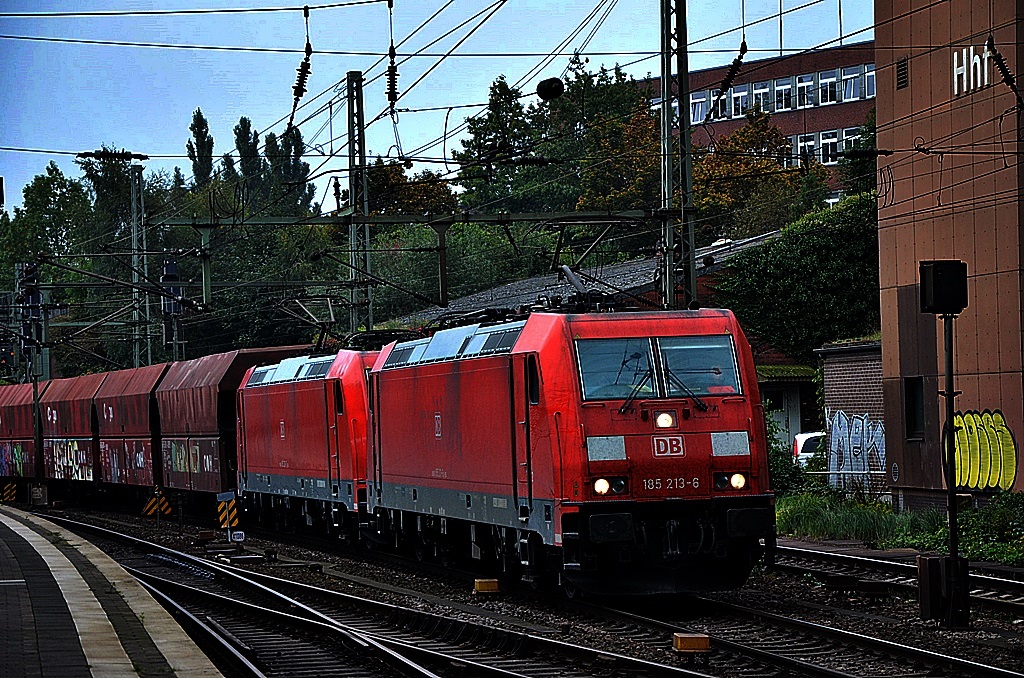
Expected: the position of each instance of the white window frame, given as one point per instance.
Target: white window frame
(721, 108)
(850, 136)
(828, 88)
(853, 87)
(805, 146)
(784, 87)
(805, 91)
(833, 198)
(830, 147)
(869, 81)
(740, 95)
(697, 115)
(761, 96)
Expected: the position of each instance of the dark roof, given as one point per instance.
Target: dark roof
(635, 277)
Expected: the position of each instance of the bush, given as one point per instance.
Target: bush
(994, 532)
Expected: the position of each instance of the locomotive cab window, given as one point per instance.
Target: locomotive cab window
(705, 366)
(616, 368)
(687, 366)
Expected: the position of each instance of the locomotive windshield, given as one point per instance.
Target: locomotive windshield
(613, 369)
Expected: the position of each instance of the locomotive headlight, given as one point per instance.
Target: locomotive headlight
(665, 419)
(601, 486)
(730, 481)
(618, 485)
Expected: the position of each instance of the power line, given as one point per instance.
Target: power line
(177, 12)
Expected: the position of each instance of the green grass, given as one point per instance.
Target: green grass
(994, 532)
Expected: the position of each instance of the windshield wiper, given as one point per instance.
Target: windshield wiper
(636, 390)
(701, 405)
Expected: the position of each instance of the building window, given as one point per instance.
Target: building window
(850, 136)
(833, 198)
(805, 148)
(783, 94)
(793, 159)
(698, 107)
(828, 87)
(913, 407)
(830, 147)
(762, 97)
(869, 81)
(720, 108)
(804, 91)
(740, 100)
(852, 84)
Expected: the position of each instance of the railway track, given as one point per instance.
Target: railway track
(281, 627)
(858, 573)
(766, 644)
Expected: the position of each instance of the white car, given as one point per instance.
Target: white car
(805, 445)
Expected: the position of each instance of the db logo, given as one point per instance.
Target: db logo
(668, 446)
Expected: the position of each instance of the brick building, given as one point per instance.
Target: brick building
(818, 99)
(854, 414)
(951, 189)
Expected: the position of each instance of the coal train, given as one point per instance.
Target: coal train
(619, 452)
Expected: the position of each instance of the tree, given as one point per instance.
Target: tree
(859, 173)
(745, 186)
(54, 216)
(200, 149)
(816, 283)
(492, 154)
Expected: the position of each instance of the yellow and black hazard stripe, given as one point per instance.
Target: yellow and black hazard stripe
(227, 514)
(157, 505)
(10, 493)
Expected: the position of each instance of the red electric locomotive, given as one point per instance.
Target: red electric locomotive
(624, 451)
(302, 441)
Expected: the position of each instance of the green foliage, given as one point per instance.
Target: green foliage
(817, 282)
(859, 174)
(744, 186)
(786, 477)
(200, 148)
(994, 532)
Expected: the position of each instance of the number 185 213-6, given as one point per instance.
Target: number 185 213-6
(670, 483)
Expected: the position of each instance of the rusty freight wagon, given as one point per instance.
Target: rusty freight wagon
(70, 443)
(129, 426)
(17, 431)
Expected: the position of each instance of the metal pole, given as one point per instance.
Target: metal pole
(958, 612)
(136, 293)
(668, 278)
(683, 78)
(359, 229)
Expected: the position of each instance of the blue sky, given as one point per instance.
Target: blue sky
(70, 97)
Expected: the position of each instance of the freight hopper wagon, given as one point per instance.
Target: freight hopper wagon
(302, 442)
(196, 405)
(70, 439)
(625, 452)
(17, 434)
(129, 428)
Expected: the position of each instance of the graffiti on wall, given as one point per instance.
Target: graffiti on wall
(986, 452)
(12, 459)
(856, 448)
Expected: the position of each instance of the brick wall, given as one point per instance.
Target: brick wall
(855, 416)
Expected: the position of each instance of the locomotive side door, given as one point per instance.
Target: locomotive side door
(521, 431)
(335, 423)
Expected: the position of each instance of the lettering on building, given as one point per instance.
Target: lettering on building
(971, 68)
